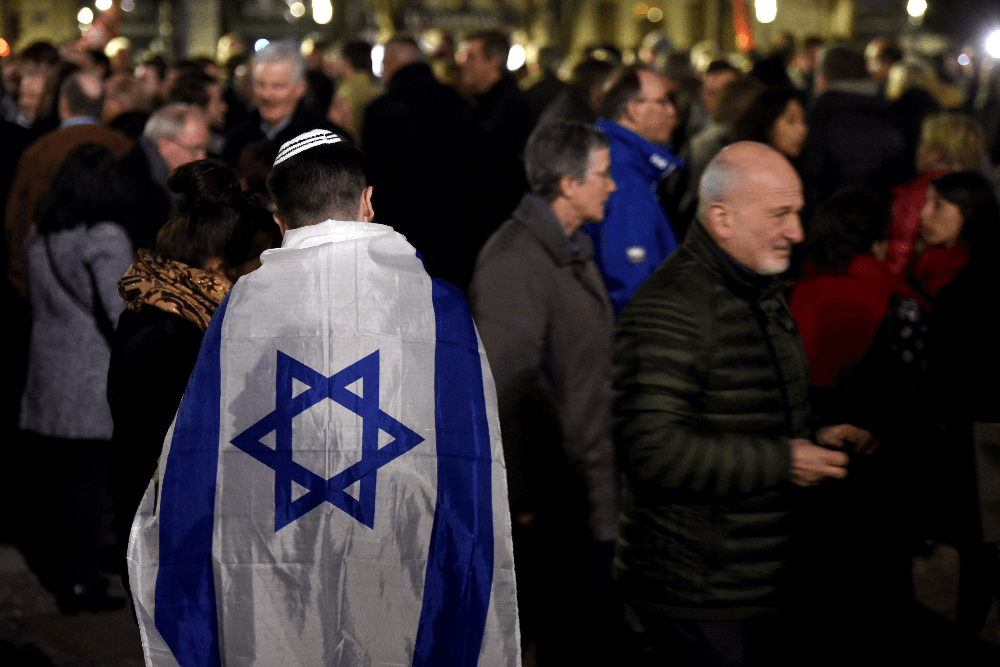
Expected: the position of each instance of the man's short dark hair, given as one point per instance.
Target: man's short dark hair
(720, 66)
(625, 87)
(841, 63)
(192, 88)
(359, 54)
(557, 149)
(77, 101)
(495, 45)
(322, 183)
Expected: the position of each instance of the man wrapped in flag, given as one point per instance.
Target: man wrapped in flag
(332, 490)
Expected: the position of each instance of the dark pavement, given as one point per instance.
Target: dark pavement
(34, 634)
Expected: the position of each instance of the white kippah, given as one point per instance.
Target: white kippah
(304, 142)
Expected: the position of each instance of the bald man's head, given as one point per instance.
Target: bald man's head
(399, 53)
(750, 198)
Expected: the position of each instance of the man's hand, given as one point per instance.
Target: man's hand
(812, 464)
(846, 436)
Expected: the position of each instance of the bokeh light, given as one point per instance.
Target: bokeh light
(767, 11)
(378, 52)
(85, 16)
(515, 57)
(103, 5)
(916, 8)
(993, 44)
(322, 11)
(260, 44)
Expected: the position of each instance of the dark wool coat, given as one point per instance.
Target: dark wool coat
(711, 382)
(546, 323)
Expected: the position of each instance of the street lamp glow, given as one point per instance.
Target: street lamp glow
(993, 44)
(322, 11)
(515, 57)
(378, 53)
(103, 5)
(916, 8)
(297, 9)
(767, 10)
(86, 16)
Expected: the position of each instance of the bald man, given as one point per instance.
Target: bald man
(711, 385)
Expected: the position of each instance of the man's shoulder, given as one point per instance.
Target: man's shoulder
(56, 144)
(681, 282)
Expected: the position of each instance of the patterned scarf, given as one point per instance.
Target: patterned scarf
(173, 287)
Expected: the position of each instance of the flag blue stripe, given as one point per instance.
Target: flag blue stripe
(185, 612)
(460, 560)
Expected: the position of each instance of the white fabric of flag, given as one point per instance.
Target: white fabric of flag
(332, 490)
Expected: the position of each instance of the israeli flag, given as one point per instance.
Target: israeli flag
(332, 490)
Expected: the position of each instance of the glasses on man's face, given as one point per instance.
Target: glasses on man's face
(198, 151)
(662, 101)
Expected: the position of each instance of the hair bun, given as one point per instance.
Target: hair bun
(204, 183)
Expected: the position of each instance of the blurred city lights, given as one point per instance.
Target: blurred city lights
(4, 48)
(916, 8)
(767, 10)
(86, 16)
(515, 57)
(260, 44)
(322, 11)
(128, 5)
(297, 9)
(378, 52)
(103, 5)
(963, 60)
(993, 44)
(655, 14)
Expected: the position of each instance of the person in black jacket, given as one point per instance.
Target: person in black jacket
(711, 409)
(170, 296)
(419, 136)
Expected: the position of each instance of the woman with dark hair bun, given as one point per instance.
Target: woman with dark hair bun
(962, 389)
(73, 264)
(214, 235)
(776, 118)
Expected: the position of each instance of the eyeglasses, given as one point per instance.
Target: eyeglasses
(198, 151)
(663, 101)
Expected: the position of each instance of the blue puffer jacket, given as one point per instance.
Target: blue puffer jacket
(635, 236)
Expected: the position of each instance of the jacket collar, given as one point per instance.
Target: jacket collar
(740, 278)
(536, 215)
(651, 161)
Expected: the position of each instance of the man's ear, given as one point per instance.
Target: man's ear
(719, 221)
(365, 211)
(280, 221)
(567, 184)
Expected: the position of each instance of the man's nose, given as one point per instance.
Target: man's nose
(794, 232)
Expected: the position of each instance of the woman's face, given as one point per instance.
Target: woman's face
(940, 220)
(788, 134)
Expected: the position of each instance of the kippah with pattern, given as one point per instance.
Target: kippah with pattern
(304, 142)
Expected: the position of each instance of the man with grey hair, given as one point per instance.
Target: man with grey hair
(711, 410)
(546, 324)
(278, 76)
(174, 135)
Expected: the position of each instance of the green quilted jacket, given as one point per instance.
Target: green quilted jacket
(711, 381)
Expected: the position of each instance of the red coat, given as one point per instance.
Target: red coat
(838, 314)
(937, 266)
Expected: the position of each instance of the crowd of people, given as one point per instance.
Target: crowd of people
(737, 318)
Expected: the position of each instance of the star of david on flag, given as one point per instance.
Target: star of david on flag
(287, 471)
